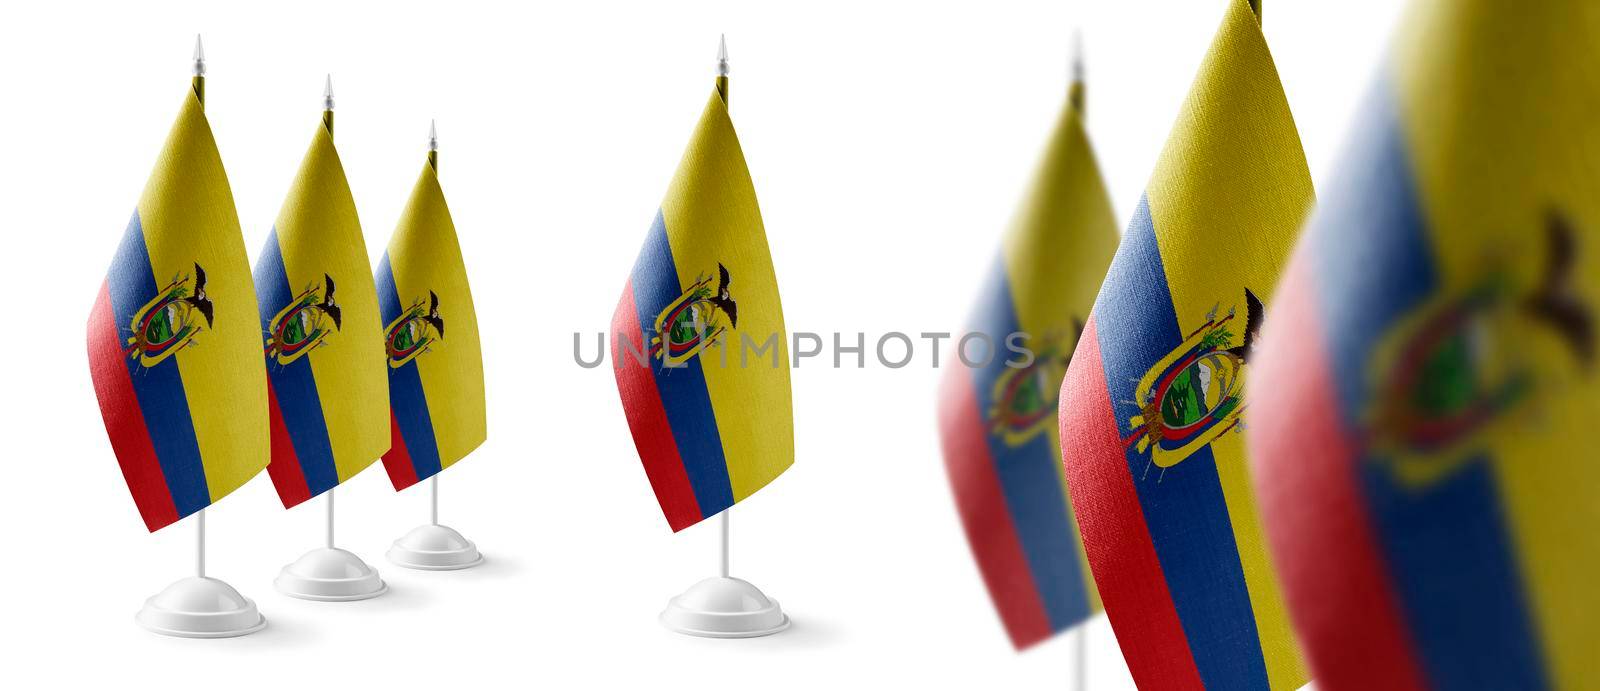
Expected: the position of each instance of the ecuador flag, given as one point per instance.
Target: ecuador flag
(1151, 405)
(1423, 433)
(997, 420)
(699, 348)
(173, 346)
(436, 408)
(324, 347)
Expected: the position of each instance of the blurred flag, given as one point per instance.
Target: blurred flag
(435, 367)
(1151, 405)
(329, 397)
(700, 351)
(174, 350)
(998, 420)
(1422, 437)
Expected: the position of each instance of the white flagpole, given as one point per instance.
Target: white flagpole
(329, 504)
(433, 500)
(200, 544)
(722, 86)
(1080, 658)
(1080, 634)
(724, 523)
(327, 121)
(1075, 91)
(433, 145)
(199, 81)
(433, 481)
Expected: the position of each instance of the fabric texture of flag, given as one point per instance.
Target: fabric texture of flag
(435, 362)
(1152, 404)
(324, 348)
(997, 420)
(700, 352)
(174, 349)
(1421, 439)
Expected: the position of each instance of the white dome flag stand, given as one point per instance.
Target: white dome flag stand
(434, 547)
(724, 607)
(200, 607)
(330, 574)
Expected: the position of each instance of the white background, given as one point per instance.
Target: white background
(889, 143)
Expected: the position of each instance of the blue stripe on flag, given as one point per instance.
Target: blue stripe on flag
(1030, 474)
(1370, 248)
(294, 383)
(1456, 572)
(683, 389)
(1449, 554)
(159, 389)
(407, 400)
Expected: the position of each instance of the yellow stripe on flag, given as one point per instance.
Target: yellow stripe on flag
(1056, 254)
(1227, 199)
(319, 234)
(188, 217)
(1500, 113)
(712, 218)
(424, 257)
(1062, 241)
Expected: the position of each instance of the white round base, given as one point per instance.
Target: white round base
(330, 575)
(434, 548)
(724, 608)
(197, 607)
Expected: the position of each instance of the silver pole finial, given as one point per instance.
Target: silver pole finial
(327, 93)
(433, 135)
(199, 57)
(1077, 55)
(722, 56)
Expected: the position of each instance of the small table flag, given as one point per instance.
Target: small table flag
(435, 361)
(324, 344)
(174, 344)
(711, 427)
(998, 421)
(1153, 401)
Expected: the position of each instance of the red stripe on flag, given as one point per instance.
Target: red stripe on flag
(982, 505)
(397, 460)
(130, 439)
(1304, 465)
(647, 418)
(1114, 534)
(287, 476)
